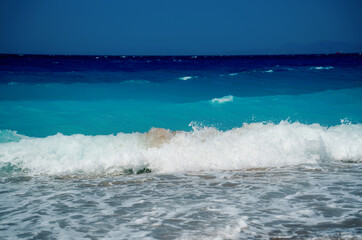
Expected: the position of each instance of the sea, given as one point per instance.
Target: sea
(181, 147)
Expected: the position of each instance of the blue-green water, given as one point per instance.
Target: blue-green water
(228, 147)
(43, 96)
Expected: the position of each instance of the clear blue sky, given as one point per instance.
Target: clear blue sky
(179, 27)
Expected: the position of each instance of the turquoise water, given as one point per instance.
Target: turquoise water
(42, 118)
(43, 96)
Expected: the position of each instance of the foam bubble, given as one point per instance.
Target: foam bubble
(224, 99)
(256, 145)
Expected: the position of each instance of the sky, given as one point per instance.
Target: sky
(180, 27)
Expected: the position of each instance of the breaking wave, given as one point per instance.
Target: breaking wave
(255, 145)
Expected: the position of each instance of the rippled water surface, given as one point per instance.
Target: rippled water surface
(321, 200)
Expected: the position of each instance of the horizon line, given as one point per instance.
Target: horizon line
(186, 55)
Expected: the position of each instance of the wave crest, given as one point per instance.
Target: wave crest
(256, 145)
(224, 99)
(321, 68)
(185, 78)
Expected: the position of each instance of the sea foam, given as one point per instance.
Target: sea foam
(321, 68)
(256, 145)
(224, 99)
(185, 78)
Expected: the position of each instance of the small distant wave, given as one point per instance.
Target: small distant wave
(225, 99)
(259, 70)
(10, 136)
(185, 78)
(12, 83)
(321, 68)
(255, 145)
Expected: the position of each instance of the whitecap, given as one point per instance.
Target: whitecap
(321, 68)
(224, 99)
(185, 78)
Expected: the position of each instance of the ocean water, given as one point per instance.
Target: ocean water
(188, 147)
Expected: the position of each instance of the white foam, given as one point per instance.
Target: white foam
(231, 230)
(185, 78)
(255, 145)
(224, 99)
(268, 71)
(233, 74)
(321, 68)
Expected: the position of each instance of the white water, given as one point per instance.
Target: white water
(321, 68)
(225, 99)
(256, 145)
(185, 78)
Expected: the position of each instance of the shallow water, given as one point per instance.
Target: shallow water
(317, 200)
